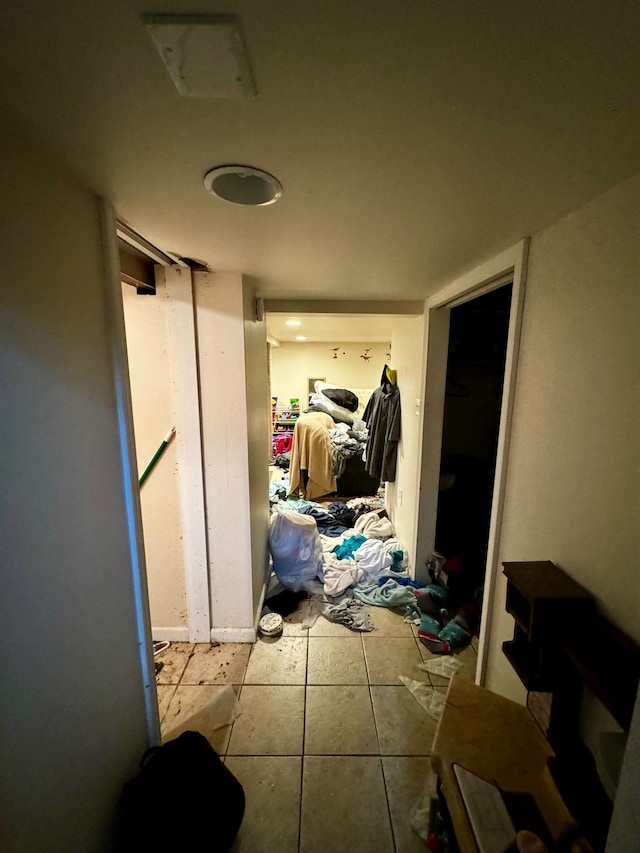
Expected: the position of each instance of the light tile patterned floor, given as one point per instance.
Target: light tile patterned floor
(332, 750)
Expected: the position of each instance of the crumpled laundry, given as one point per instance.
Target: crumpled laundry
(342, 513)
(299, 504)
(374, 556)
(363, 505)
(441, 639)
(346, 610)
(339, 574)
(348, 547)
(277, 492)
(405, 581)
(327, 524)
(345, 443)
(373, 526)
(390, 594)
(283, 460)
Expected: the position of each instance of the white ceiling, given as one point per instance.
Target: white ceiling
(413, 140)
(331, 328)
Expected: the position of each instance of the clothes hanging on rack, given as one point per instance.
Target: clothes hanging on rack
(382, 417)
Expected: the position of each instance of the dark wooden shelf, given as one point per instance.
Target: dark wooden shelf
(525, 665)
(547, 606)
(543, 580)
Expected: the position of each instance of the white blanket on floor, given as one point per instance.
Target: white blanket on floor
(373, 526)
(339, 575)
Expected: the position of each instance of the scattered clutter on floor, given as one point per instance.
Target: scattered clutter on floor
(159, 646)
(427, 819)
(345, 556)
(271, 625)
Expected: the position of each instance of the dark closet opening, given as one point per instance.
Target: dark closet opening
(478, 333)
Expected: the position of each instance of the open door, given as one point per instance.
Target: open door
(507, 268)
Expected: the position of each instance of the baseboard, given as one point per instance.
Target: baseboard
(173, 635)
(234, 635)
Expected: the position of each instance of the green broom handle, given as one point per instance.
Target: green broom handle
(158, 454)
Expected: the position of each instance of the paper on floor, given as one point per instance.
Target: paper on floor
(426, 696)
(217, 714)
(446, 667)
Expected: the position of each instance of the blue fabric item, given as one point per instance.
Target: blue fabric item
(326, 523)
(342, 513)
(429, 625)
(440, 593)
(396, 560)
(455, 635)
(345, 549)
(300, 505)
(390, 594)
(403, 581)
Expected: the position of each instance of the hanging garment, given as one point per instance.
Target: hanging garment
(382, 417)
(311, 452)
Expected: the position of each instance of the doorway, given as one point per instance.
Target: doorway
(508, 266)
(476, 357)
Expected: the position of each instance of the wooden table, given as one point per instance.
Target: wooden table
(498, 740)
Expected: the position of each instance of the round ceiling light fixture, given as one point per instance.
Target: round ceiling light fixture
(243, 185)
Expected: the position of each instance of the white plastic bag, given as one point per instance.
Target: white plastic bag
(430, 699)
(296, 549)
(445, 667)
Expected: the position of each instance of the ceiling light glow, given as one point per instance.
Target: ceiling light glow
(300, 338)
(293, 322)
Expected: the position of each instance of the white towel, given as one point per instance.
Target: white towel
(339, 575)
(373, 526)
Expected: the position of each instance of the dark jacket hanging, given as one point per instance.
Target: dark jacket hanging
(382, 416)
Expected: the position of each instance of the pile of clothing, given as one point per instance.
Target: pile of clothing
(346, 556)
(346, 441)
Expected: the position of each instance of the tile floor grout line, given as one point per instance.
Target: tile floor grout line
(380, 763)
(386, 793)
(304, 739)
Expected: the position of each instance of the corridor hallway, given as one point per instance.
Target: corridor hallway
(331, 748)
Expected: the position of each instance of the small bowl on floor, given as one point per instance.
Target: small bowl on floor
(271, 625)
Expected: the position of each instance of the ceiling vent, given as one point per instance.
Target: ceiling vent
(205, 55)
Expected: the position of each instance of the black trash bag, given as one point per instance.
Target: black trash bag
(184, 798)
(342, 397)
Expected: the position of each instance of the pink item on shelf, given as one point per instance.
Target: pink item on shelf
(282, 443)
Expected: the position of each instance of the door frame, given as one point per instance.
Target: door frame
(508, 266)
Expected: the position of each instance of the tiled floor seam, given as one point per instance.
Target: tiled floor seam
(304, 736)
(386, 792)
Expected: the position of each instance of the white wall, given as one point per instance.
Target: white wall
(220, 313)
(258, 438)
(72, 695)
(407, 345)
(153, 414)
(572, 491)
(292, 364)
